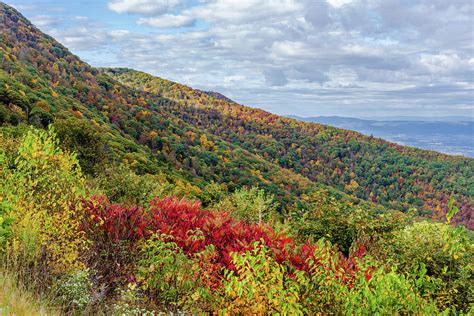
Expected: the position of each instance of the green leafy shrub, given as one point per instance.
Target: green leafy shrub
(321, 215)
(212, 194)
(40, 118)
(366, 290)
(446, 252)
(386, 294)
(260, 285)
(123, 185)
(326, 281)
(86, 140)
(170, 277)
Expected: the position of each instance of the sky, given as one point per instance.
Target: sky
(357, 58)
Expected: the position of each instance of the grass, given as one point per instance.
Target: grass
(15, 299)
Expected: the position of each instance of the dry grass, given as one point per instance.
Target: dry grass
(16, 300)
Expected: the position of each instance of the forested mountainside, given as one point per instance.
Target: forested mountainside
(123, 193)
(371, 169)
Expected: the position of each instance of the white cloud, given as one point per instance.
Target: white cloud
(146, 7)
(336, 57)
(445, 63)
(339, 3)
(290, 49)
(168, 21)
(244, 11)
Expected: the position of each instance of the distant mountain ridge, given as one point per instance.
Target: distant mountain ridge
(421, 118)
(451, 136)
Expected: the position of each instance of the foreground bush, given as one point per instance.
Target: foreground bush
(114, 232)
(260, 285)
(445, 251)
(386, 294)
(41, 187)
(172, 279)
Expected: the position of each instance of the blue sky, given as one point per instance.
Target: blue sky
(359, 58)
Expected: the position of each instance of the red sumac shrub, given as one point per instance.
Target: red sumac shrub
(114, 221)
(113, 231)
(193, 229)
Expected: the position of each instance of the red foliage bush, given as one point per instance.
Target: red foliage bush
(114, 231)
(193, 229)
(115, 222)
(184, 220)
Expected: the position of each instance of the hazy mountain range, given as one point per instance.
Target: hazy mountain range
(450, 135)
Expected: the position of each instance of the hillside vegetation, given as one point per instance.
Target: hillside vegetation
(371, 169)
(123, 193)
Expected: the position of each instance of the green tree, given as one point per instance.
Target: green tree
(252, 205)
(86, 140)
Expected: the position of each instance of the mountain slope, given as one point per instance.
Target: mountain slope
(156, 125)
(372, 169)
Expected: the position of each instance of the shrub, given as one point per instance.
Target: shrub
(86, 140)
(40, 118)
(170, 277)
(251, 205)
(113, 222)
(183, 220)
(122, 185)
(447, 254)
(323, 216)
(113, 231)
(212, 194)
(329, 274)
(333, 285)
(260, 285)
(186, 253)
(386, 294)
(42, 186)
